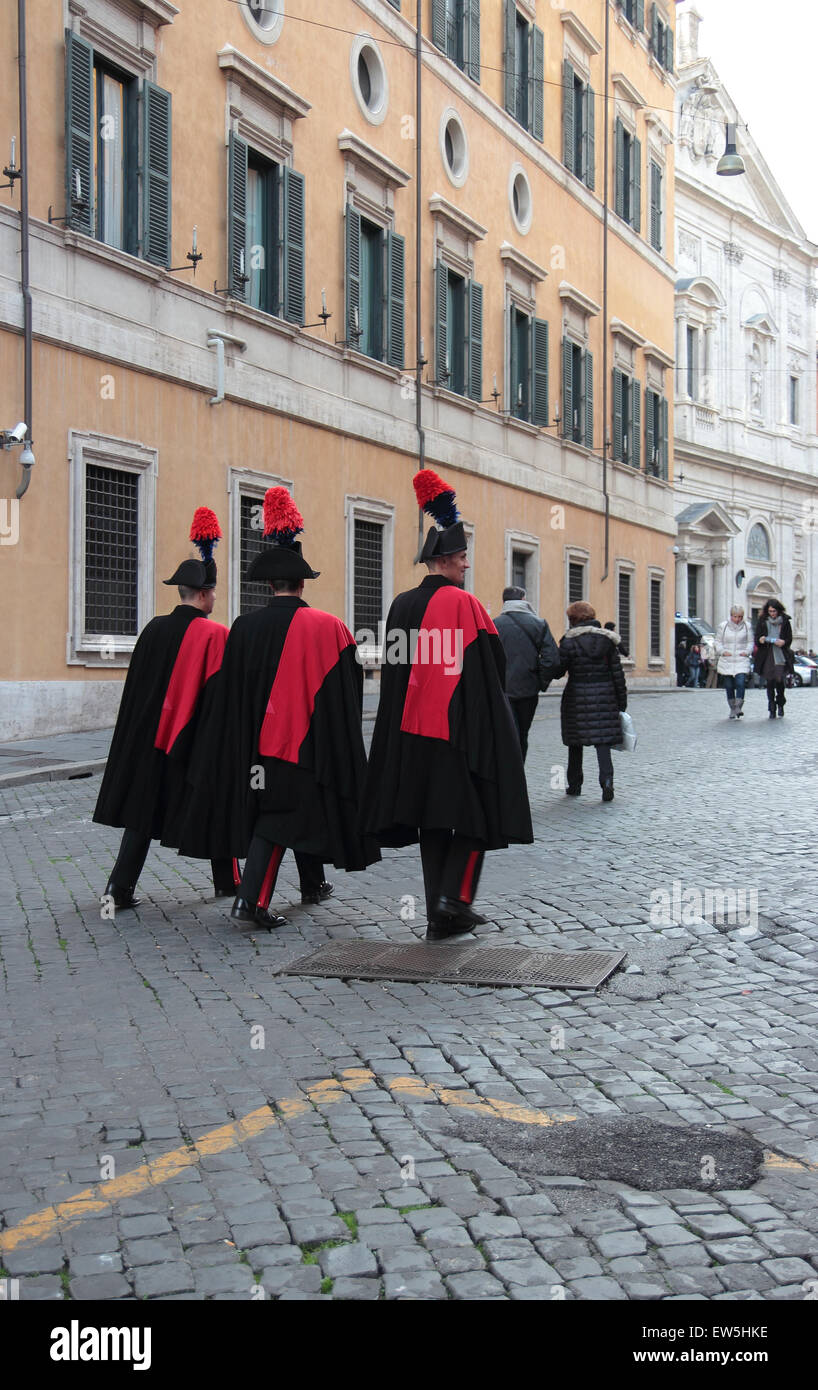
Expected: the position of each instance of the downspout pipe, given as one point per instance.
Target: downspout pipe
(418, 262)
(605, 292)
(25, 282)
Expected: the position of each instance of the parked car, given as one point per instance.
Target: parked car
(805, 672)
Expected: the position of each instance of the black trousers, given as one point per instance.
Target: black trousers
(603, 754)
(452, 865)
(524, 710)
(134, 851)
(261, 871)
(776, 691)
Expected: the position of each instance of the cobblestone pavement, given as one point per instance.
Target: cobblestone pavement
(360, 1177)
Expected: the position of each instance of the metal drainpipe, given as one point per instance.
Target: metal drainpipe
(605, 294)
(24, 241)
(418, 265)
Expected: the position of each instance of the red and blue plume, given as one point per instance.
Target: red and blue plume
(436, 497)
(282, 519)
(205, 531)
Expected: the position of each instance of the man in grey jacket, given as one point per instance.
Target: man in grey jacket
(529, 648)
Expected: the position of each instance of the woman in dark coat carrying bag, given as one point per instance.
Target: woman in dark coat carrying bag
(594, 696)
(773, 658)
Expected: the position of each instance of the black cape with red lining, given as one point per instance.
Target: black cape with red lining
(144, 785)
(445, 751)
(280, 751)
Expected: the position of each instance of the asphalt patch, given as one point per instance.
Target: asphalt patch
(635, 1150)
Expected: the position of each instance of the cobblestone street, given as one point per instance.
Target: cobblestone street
(360, 1171)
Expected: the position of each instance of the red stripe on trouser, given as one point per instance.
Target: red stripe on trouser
(236, 873)
(270, 877)
(467, 886)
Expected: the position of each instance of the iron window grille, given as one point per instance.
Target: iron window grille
(111, 551)
(367, 575)
(252, 595)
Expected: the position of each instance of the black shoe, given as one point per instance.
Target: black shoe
(123, 897)
(322, 892)
(455, 910)
(224, 892)
(781, 711)
(607, 790)
(440, 928)
(772, 714)
(573, 791)
(242, 911)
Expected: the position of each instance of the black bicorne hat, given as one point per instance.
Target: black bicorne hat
(436, 497)
(448, 542)
(195, 574)
(282, 523)
(205, 531)
(281, 562)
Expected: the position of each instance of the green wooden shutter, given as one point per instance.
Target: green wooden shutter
(156, 191)
(568, 116)
(588, 381)
(395, 296)
(536, 97)
(471, 39)
(636, 424)
(539, 359)
(619, 168)
(654, 31)
(618, 431)
(439, 24)
(509, 75)
(352, 279)
(636, 184)
(655, 206)
(668, 54)
(292, 260)
(79, 131)
(589, 146)
(640, 14)
(237, 216)
(474, 312)
(567, 387)
(441, 323)
(663, 448)
(650, 431)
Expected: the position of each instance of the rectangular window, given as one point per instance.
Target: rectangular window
(265, 221)
(627, 413)
(117, 161)
(370, 322)
(577, 394)
(794, 400)
(623, 620)
(693, 363)
(519, 569)
(577, 125)
(456, 32)
(374, 289)
(693, 590)
(528, 367)
(111, 551)
(458, 333)
(576, 581)
(627, 176)
(262, 233)
(634, 11)
(523, 70)
(368, 575)
(655, 205)
(655, 619)
(656, 435)
(251, 543)
(456, 367)
(661, 39)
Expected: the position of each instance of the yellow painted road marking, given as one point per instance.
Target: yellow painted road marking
(41, 1224)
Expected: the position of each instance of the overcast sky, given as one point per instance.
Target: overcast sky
(766, 57)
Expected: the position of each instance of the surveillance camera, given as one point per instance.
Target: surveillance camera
(675, 550)
(18, 434)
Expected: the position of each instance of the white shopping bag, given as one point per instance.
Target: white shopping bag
(628, 743)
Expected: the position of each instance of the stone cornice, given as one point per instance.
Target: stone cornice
(523, 263)
(156, 12)
(625, 90)
(622, 330)
(262, 83)
(578, 299)
(658, 355)
(583, 36)
(441, 207)
(359, 152)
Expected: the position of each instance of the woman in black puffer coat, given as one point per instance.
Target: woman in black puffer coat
(593, 697)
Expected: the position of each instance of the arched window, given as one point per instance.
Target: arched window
(758, 543)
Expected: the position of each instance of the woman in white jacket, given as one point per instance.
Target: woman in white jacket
(734, 649)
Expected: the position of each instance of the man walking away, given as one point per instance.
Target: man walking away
(531, 653)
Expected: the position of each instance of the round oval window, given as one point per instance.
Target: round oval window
(364, 79)
(264, 12)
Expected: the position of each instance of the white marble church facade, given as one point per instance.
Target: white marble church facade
(746, 451)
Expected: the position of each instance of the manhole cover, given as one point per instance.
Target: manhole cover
(460, 963)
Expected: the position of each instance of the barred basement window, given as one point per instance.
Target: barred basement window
(576, 582)
(624, 616)
(111, 551)
(368, 576)
(656, 618)
(251, 543)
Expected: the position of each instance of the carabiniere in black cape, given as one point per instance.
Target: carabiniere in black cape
(309, 799)
(468, 776)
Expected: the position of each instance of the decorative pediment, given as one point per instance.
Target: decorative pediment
(706, 519)
(763, 324)
(358, 152)
(261, 83)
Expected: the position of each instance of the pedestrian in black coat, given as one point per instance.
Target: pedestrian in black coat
(594, 695)
(528, 645)
(773, 658)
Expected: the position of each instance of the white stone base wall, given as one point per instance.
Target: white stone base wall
(36, 709)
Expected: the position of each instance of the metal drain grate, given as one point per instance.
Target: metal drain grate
(459, 963)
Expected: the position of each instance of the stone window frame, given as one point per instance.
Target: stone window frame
(451, 116)
(577, 555)
(699, 304)
(129, 456)
(267, 36)
(521, 276)
(362, 508)
(529, 545)
(470, 533)
(361, 42)
(628, 567)
(658, 137)
(124, 34)
(260, 108)
(762, 521)
(656, 573)
(243, 482)
(455, 237)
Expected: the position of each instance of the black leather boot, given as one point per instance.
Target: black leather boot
(242, 911)
(607, 789)
(123, 897)
(320, 894)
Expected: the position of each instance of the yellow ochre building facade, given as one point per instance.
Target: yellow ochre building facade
(274, 147)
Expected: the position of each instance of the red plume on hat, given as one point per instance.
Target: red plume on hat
(205, 531)
(282, 519)
(436, 497)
